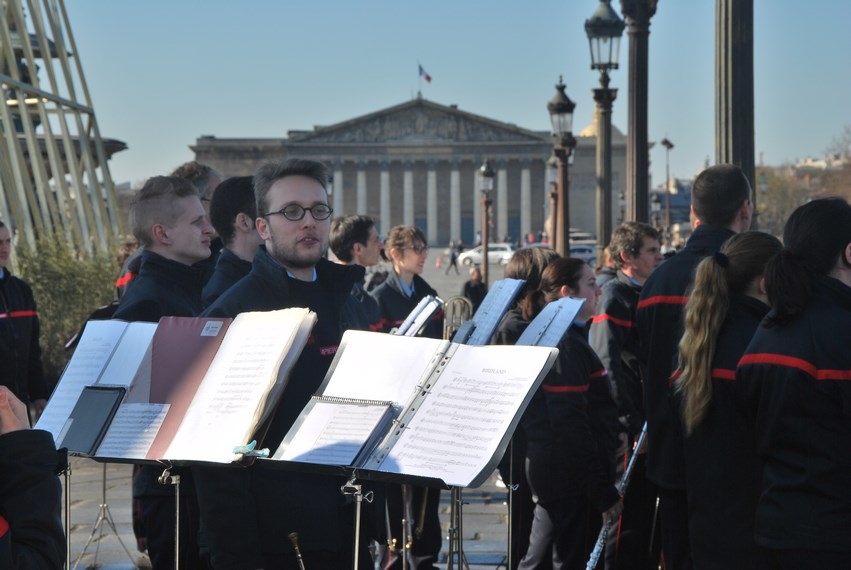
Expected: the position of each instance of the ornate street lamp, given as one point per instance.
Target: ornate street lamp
(486, 176)
(561, 108)
(604, 30)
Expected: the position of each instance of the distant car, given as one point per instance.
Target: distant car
(585, 252)
(497, 253)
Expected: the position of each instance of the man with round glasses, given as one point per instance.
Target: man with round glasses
(247, 511)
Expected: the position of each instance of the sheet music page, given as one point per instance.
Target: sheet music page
(132, 431)
(129, 355)
(332, 433)
(460, 424)
(225, 408)
(94, 350)
(380, 366)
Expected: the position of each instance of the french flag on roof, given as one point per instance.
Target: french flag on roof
(424, 74)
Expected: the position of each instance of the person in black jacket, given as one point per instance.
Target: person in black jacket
(248, 512)
(526, 264)
(724, 309)
(796, 374)
(635, 252)
(232, 213)
(20, 351)
(407, 249)
(354, 240)
(571, 430)
(474, 289)
(31, 534)
(722, 205)
(169, 221)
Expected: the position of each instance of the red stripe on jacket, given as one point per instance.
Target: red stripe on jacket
(663, 300)
(607, 317)
(18, 314)
(799, 363)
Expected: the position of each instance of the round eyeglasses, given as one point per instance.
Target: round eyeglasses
(294, 212)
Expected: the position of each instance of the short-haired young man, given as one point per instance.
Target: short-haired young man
(354, 241)
(635, 252)
(247, 513)
(722, 205)
(233, 212)
(170, 223)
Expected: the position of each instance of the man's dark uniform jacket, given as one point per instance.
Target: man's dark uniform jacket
(20, 353)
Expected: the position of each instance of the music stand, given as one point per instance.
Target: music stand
(103, 516)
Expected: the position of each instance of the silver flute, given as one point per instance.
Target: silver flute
(621, 487)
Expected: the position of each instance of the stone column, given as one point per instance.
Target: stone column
(408, 195)
(455, 202)
(501, 202)
(431, 204)
(338, 202)
(384, 215)
(362, 207)
(525, 201)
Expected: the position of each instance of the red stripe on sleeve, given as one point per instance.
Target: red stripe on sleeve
(563, 389)
(607, 317)
(663, 300)
(798, 363)
(723, 373)
(18, 314)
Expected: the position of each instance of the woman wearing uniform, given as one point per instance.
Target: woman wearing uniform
(797, 371)
(570, 427)
(725, 307)
(407, 250)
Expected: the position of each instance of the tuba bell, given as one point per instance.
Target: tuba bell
(456, 310)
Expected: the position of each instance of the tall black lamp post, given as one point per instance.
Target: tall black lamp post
(668, 146)
(561, 108)
(655, 208)
(552, 178)
(604, 30)
(486, 175)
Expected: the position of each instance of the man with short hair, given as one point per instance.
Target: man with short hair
(634, 251)
(169, 221)
(721, 206)
(354, 241)
(232, 212)
(247, 513)
(20, 352)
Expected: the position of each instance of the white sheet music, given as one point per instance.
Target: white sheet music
(90, 357)
(370, 364)
(243, 371)
(459, 426)
(132, 431)
(332, 433)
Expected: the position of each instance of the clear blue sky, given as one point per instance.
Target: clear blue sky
(162, 73)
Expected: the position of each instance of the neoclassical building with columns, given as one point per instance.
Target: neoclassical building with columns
(417, 163)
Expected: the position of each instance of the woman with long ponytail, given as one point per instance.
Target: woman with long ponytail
(797, 374)
(725, 307)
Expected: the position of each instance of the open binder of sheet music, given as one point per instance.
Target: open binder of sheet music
(437, 409)
(196, 387)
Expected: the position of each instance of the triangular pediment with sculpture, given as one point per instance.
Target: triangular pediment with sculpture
(417, 122)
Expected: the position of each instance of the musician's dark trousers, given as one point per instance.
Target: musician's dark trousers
(425, 548)
(628, 543)
(558, 535)
(522, 505)
(673, 513)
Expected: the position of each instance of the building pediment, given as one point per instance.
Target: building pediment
(417, 122)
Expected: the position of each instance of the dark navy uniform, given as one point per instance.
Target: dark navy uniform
(798, 381)
(20, 352)
(229, 269)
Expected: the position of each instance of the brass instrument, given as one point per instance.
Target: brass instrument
(456, 310)
(293, 536)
